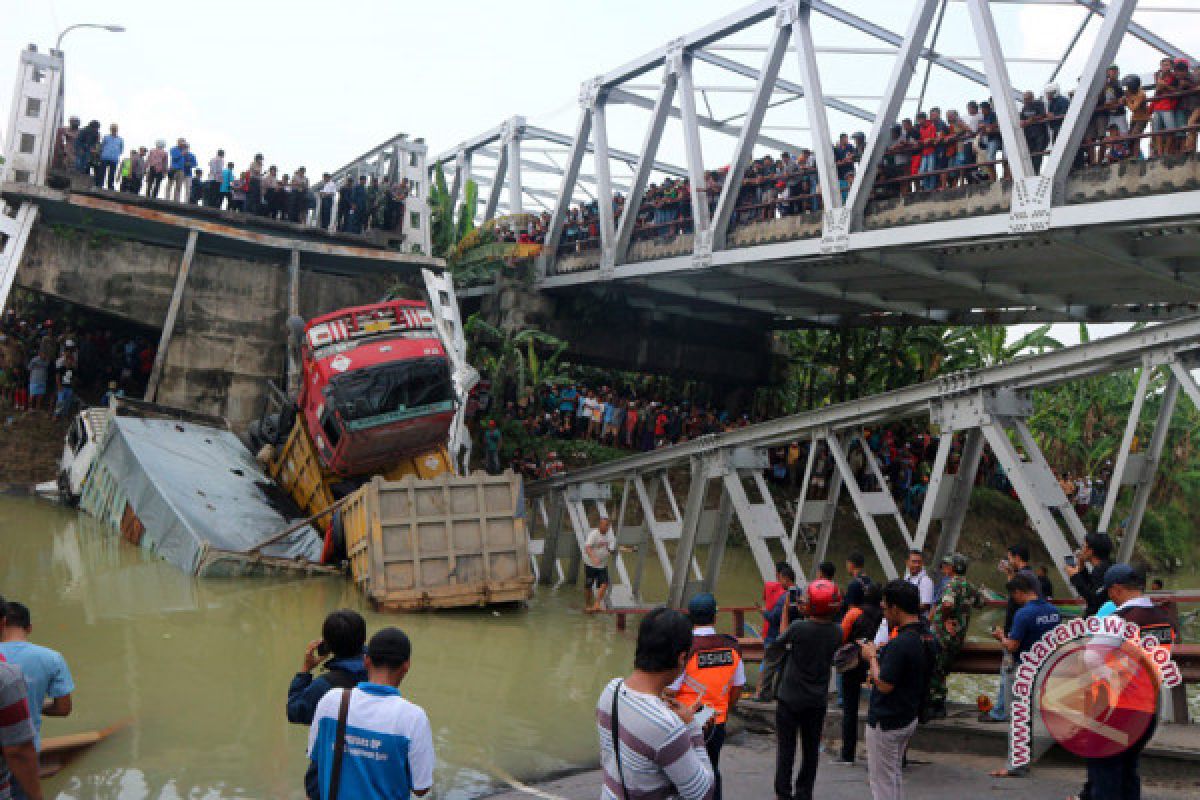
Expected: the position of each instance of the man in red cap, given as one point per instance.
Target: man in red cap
(803, 693)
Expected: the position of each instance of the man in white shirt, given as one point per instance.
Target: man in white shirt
(599, 545)
(212, 187)
(328, 191)
(973, 118)
(917, 576)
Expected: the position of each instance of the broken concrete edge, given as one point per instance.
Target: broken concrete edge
(228, 225)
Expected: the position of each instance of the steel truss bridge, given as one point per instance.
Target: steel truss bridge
(986, 407)
(1043, 249)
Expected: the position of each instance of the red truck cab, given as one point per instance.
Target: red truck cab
(377, 386)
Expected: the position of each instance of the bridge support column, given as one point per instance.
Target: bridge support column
(554, 525)
(293, 310)
(701, 469)
(999, 415)
(949, 494)
(760, 520)
(164, 340)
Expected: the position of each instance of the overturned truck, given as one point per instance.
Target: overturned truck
(365, 464)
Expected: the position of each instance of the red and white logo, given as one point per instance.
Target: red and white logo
(1099, 697)
(1095, 686)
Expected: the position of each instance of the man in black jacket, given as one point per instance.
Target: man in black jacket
(343, 635)
(1089, 580)
(803, 693)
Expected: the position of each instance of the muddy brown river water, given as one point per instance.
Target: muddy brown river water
(201, 668)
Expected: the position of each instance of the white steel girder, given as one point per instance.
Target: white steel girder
(661, 531)
(1000, 416)
(680, 63)
(1139, 469)
(744, 149)
(1031, 196)
(641, 173)
(1083, 103)
(14, 235)
(537, 547)
(889, 109)
(949, 494)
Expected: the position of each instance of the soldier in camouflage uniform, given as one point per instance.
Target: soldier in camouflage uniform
(950, 618)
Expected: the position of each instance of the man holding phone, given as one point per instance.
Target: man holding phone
(340, 648)
(1088, 577)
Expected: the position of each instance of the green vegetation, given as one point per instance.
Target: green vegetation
(446, 231)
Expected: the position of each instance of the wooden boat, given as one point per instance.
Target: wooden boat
(58, 751)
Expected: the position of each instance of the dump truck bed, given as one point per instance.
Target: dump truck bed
(443, 542)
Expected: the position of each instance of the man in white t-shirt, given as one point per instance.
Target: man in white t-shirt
(388, 742)
(917, 576)
(599, 545)
(973, 118)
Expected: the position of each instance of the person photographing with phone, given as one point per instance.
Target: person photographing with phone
(803, 695)
(652, 745)
(340, 650)
(714, 676)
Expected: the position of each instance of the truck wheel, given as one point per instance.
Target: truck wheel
(334, 551)
(254, 434)
(269, 428)
(284, 423)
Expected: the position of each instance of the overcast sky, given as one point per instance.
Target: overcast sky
(315, 83)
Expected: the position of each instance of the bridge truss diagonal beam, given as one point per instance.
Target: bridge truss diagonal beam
(989, 405)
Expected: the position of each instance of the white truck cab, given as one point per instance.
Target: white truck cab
(79, 450)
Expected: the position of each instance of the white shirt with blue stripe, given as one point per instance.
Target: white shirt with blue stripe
(389, 744)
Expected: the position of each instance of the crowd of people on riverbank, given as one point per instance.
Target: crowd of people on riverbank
(46, 362)
(259, 189)
(35, 681)
(631, 420)
(932, 151)
(662, 728)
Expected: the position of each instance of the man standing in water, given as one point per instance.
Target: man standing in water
(599, 545)
(659, 750)
(18, 754)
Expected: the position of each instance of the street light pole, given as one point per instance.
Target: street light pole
(110, 28)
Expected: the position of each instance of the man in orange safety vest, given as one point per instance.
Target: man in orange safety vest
(714, 675)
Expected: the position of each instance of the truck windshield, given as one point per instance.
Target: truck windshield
(392, 388)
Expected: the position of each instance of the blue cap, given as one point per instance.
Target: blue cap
(1123, 575)
(702, 607)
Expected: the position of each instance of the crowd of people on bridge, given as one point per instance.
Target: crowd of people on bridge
(259, 189)
(932, 151)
